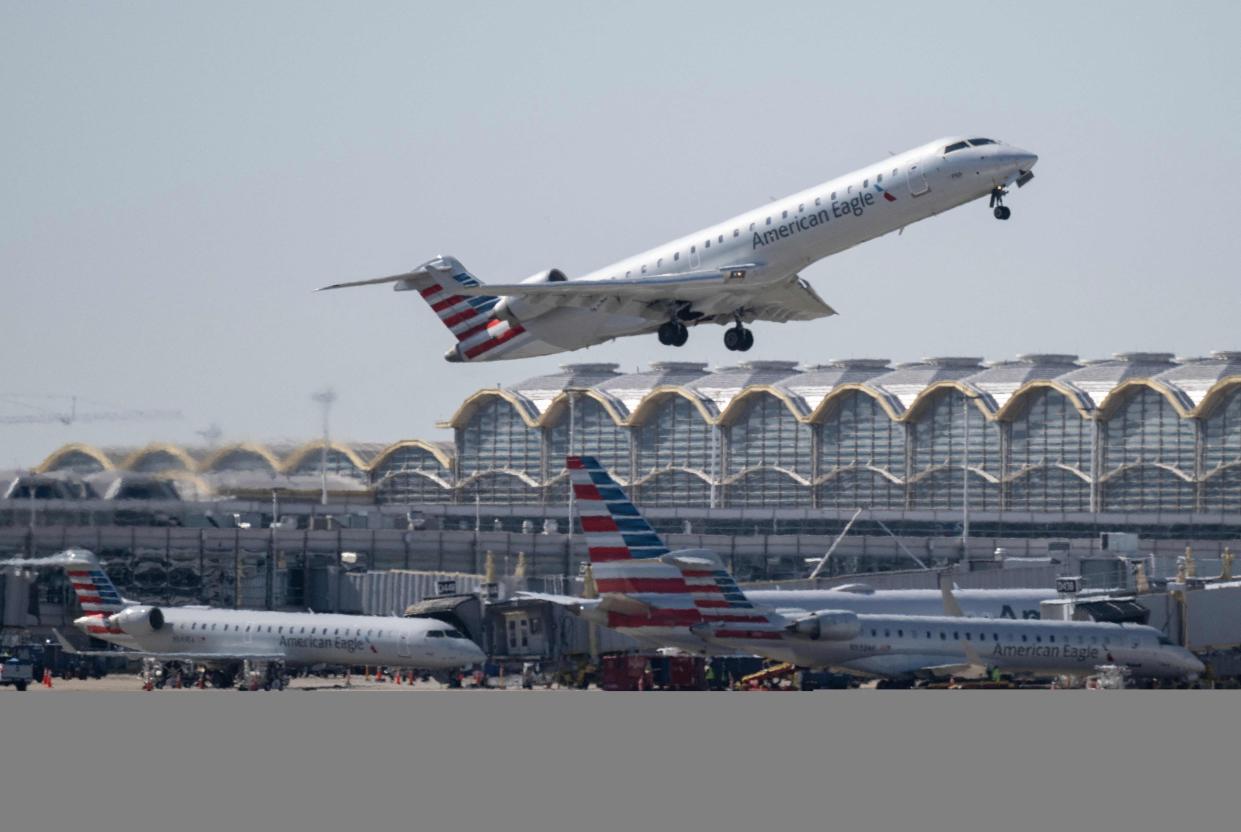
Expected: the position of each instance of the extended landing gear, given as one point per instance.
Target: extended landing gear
(999, 209)
(738, 338)
(673, 334)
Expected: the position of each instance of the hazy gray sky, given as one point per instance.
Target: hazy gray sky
(177, 180)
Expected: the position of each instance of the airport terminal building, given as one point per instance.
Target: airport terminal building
(1137, 433)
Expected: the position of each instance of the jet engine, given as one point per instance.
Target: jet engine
(138, 621)
(830, 625)
(516, 310)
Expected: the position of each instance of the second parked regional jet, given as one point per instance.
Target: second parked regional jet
(741, 270)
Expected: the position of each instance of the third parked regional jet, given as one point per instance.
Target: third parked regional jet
(741, 270)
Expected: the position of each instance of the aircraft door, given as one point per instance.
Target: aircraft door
(695, 259)
(403, 648)
(916, 178)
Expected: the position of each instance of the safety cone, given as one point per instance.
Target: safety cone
(47, 677)
(396, 678)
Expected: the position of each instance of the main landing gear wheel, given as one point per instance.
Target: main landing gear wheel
(1000, 211)
(673, 334)
(738, 338)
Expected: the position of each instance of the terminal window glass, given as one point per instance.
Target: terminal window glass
(766, 433)
(497, 438)
(673, 436)
(595, 433)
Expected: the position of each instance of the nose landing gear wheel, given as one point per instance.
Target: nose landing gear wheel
(673, 334)
(999, 210)
(738, 339)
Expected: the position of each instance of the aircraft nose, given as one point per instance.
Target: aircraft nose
(1191, 664)
(1023, 159)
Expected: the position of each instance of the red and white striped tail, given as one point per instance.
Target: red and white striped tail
(720, 600)
(625, 555)
(470, 318)
(95, 591)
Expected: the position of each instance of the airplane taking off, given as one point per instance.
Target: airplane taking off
(733, 273)
(257, 641)
(687, 599)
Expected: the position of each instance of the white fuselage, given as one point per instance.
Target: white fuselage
(299, 638)
(898, 646)
(782, 237)
(980, 603)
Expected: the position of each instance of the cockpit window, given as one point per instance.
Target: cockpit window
(455, 634)
(1167, 642)
(956, 146)
(977, 142)
(435, 634)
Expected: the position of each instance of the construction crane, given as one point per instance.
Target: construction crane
(64, 409)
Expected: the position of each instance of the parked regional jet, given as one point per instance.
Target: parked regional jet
(688, 598)
(741, 270)
(261, 641)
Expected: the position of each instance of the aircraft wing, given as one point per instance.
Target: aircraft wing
(170, 656)
(609, 602)
(573, 602)
(711, 292)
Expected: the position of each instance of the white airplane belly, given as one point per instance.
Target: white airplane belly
(572, 328)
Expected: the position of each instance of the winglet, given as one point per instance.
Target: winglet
(953, 609)
(951, 606)
(65, 644)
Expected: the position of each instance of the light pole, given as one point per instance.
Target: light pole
(325, 399)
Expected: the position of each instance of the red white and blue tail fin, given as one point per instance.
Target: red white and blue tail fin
(95, 591)
(626, 557)
(720, 601)
(469, 316)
